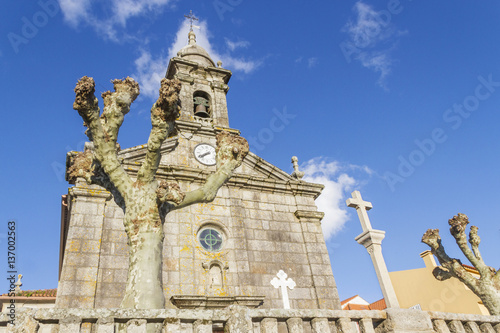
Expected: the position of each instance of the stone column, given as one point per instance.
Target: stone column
(372, 240)
(78, 281)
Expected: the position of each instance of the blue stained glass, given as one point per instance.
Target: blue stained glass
(211, 240)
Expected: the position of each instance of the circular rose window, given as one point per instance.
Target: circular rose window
(210, 239)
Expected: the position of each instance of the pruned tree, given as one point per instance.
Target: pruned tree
(145, 200)
(487, 286)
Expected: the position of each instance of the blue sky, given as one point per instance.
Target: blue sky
(397, 99)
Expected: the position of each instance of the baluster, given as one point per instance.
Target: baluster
(136, 326)
(344, 325)
(202, 326)
(269, 325)
(48, 328)
(105, 325)
(320, 325)
(172, 325)
(295, 325)
(440, 326)
(486, 328)
(366, 325)
(456, 326)
(70, 325)
(471, 327)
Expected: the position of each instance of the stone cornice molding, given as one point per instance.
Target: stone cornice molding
(195, 175)
(222, 73)
(138, 152)
(214, 302)
(93, 191)
(309, 216)
(370, 237)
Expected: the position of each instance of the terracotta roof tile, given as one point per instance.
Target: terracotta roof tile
(356, 307)
(36, 293)
(378, 305)
(348, 299)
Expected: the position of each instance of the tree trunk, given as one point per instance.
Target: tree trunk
(491, 299)
(144, 283)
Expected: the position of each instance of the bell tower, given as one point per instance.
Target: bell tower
(204, 86)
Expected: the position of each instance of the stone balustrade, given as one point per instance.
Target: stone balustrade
(444, 322)
(238, 319)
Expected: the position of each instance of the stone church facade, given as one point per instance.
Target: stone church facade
(263, 219)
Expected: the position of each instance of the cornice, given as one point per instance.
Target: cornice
(198, 176)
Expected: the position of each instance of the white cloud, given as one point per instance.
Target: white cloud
(311, 62)
(229, 61)
(379, 63)
(75, 11)
(369, 27)
(337, 183)
(234, 45)
(84, 11)
(150, 70)
(373, 35)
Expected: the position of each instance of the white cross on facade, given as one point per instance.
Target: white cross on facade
(361, 207)
(283, 282)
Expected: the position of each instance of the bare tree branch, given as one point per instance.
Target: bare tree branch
(454, 266)
(474, 241)
(163, 114)
(105, 149)
(441, 274)
(458, 225)
(117, 104)
(487, 286)
(231, 150)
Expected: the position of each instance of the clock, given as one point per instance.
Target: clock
(205, 154)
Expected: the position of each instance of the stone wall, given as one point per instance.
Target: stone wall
(268, 225)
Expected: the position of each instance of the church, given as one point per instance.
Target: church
(262, 222)
(252, 260)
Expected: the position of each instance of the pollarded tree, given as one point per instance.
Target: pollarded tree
(145, 200)
(487, 286)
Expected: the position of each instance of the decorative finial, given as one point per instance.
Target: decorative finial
(296, 173)
(18, 284)
(192, 38)
(219, 64)
(191, 18)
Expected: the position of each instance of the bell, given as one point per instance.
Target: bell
(201, 111)
(201, 107)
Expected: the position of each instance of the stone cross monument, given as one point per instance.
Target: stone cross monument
(282, 282)
(372, 240)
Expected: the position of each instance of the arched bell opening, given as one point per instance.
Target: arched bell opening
(201, 101)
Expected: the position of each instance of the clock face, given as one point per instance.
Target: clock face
(205, 154)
